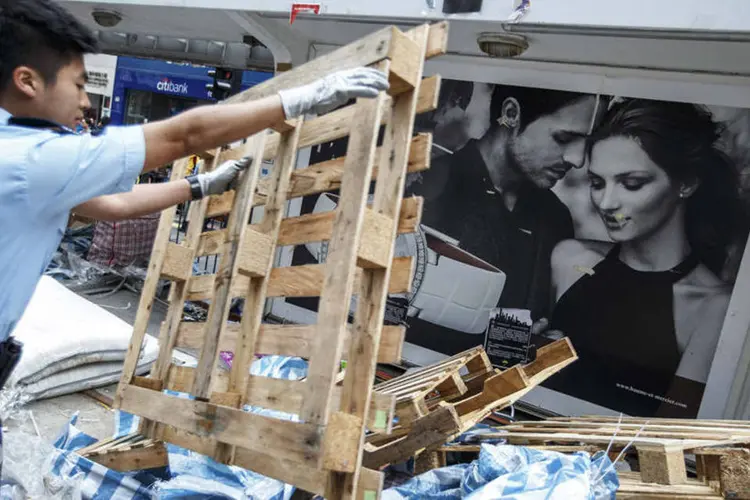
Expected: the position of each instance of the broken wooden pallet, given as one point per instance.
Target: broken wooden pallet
(720, 448)
(422, 390)
(127, 453)
(321, 450)
(450, 418)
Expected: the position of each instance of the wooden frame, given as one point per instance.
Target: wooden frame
(321, 452)
(465, 400)
(720, 448)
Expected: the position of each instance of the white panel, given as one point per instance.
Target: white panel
(666, 14)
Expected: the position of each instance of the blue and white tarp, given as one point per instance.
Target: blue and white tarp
(190, 475)
(515, 473)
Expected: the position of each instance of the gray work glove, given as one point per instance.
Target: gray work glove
(334, 90)
(224, 177)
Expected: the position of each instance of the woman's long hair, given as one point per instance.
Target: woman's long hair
(682, 139)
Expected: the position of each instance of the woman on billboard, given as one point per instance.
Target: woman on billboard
(645, 310)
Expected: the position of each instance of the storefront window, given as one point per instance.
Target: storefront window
(143, 106)
(138, 107)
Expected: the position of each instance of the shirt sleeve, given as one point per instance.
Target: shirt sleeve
(64, 171)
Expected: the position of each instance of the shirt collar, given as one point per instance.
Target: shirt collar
(4, 116)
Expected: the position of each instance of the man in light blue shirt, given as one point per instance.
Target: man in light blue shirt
(46, 170)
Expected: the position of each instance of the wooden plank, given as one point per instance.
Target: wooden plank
(288, 395)
(568, 437)
(387, 201)
(306, 281)
(741, 424)
(146, 302)
(426, 432)
(289, 340)
(495, 388)
(376, 242)
(406, 63)
(154, 456)
(148, 383)
(178, 263)
(632, 487)
(257, 287)
(321, 177)
(256, 251)
(313, 227)
(683, 431)
(299, 442)
(180, 379)
(338, 284)
(662, 465)
(429, 372)
(363, 52)
(550, 359)
(437, 43)
(230, 399)
(305, 477)
(300, 281)
(255, 290)
(370, 484)
(326, 175)
(221, 296)
(178, 293)
(341, 442)
(734, 480)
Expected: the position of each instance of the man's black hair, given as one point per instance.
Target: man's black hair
(534, 102)
(40, 34)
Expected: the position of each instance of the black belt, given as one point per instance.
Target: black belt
(10, 355)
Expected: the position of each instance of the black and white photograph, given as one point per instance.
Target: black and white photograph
(617, 222)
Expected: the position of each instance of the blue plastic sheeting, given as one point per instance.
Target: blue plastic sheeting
(190, 475)
(516, 473)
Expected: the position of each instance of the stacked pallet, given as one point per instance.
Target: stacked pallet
(660, 446)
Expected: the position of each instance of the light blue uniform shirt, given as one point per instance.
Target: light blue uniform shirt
(43, 175)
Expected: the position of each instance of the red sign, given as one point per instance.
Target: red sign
(303, 7)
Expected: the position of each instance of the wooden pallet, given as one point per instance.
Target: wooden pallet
(454, 415)
(720, 448)
(321, 452)
(420, 391)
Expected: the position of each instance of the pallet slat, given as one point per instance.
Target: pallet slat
(289, 340)
(289, 440)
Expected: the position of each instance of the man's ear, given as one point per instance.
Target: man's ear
(511, 114)
(27, 81)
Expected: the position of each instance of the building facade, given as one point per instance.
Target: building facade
(101, 69)
(146, 90)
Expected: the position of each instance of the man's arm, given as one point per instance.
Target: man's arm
(205, 127)
(66, 170)
(209, 126)
(144, 199)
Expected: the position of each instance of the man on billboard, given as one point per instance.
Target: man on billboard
(493, 196)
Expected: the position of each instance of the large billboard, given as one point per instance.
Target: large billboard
(616, 222)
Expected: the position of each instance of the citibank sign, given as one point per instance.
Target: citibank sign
(166, 85)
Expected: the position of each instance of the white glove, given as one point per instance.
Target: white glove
(223, 177)
(334, 90)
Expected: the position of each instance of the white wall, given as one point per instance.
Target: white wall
(728, 15)
(103, 67)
